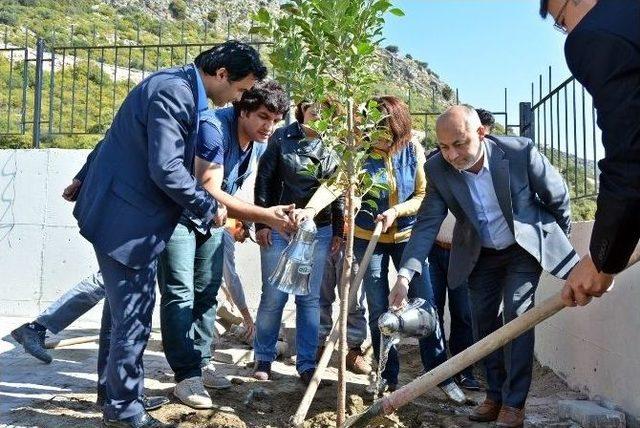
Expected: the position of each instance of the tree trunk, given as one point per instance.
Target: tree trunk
(345, 280)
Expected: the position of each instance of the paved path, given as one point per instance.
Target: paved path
(24, 381)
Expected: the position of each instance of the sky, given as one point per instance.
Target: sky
(482, 47)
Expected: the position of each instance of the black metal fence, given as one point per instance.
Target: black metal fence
(562, 122)
(13, 118)
(428, 117)
(75, 90)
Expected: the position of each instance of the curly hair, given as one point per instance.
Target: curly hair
(486, 118)
(266, 93)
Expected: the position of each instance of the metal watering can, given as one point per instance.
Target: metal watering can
(293, 270)
(412, 320)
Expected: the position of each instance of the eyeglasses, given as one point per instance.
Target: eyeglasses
(559, 19)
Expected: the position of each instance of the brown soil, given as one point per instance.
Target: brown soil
(251, 403)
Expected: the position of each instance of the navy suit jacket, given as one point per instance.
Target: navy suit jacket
(603, 53)
(139, 179)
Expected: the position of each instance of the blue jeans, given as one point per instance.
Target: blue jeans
(189, 276)
(510, 276)
(461, 335)
(272, 302)
(229, 274)
(126, 325)
(73, 304)
(376, 285)
(356, 320)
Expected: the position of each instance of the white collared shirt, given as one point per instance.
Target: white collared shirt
(494, 230)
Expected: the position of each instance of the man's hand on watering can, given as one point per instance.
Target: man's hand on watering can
(398, 294)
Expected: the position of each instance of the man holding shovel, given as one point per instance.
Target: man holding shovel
(603, 53)
(512, 220)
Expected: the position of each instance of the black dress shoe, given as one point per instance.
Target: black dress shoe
(154, 402)
(141, 420)
(32, 341)
(150, 403)
(469, 383)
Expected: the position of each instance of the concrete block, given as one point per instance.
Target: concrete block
(23, 182)
(536, 421)
(68, 258)
(233, 356)
(218, 331)
(228, 315)
(21, 254)
(590, 415)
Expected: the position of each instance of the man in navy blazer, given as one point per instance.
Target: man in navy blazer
(603, 53)
(134, 189)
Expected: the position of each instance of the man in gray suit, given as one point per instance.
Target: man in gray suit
(512, 220)
(134, 188)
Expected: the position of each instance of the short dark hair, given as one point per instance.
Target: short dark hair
(300, 109)
(267, 93)
(486, 118)
(544, 8)
(238, 58)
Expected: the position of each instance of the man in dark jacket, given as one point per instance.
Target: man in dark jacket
(603, 53)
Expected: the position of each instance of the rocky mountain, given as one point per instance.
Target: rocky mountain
(404, 76)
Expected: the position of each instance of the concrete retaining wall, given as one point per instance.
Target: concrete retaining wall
(595, 348)
(42, 255)
(41, 252)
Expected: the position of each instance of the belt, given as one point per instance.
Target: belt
(444, 245)
(492, 251)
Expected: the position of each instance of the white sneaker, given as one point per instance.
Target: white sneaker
(212, 380)
(454, 393)
(192, 393)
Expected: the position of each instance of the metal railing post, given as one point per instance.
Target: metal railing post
(527, 121)
(37, 97)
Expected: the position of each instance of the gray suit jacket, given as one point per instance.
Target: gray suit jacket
(532, 195)
(139, 178)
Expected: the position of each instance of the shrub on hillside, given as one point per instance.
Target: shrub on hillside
(178, 9)
(447, 92)
(212, 16)
(393, 49)
(8, 18)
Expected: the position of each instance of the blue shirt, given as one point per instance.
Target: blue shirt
(494, 230)
(210, 145)
(220, 134)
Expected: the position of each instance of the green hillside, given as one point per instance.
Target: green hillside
(90, 83)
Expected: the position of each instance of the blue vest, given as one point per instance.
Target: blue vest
(404, 165)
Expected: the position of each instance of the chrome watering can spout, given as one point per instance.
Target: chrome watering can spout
(412, 320)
